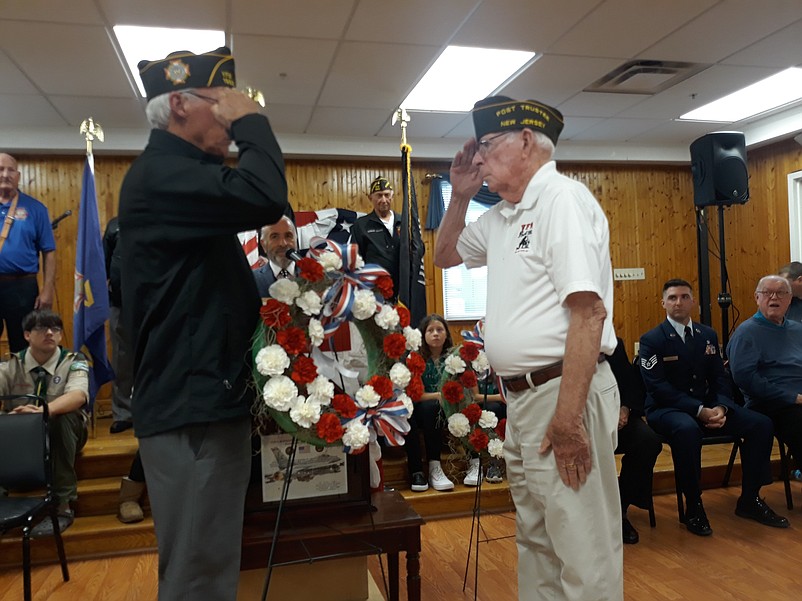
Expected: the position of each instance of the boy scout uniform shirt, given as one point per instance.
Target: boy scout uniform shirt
(66, 371)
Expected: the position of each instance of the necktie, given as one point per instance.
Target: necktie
(40, 382)
(688, 337)
(283, 274)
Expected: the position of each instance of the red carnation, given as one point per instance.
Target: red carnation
(309, 269)
(344, 405)
(383, 386)
(293, 340)
(394, 345)
(416, 364)
(304, 370)
(404, 317)
(473, 412)
(329, 428)
(468, 378)
(452, 392)
(478, 439)
(384, 284)
(469, 351)
(501, 428)
(275, 314)
(414, 389)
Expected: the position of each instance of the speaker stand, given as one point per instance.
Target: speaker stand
(724, 298)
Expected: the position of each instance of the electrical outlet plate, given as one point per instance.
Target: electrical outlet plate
(632, 273)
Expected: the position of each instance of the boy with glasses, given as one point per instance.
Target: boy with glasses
(60, 377)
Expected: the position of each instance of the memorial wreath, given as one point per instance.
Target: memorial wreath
(479, 430)
(333, 286)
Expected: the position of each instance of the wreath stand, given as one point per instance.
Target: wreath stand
(476, 528)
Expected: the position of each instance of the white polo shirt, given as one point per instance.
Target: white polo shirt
(553, 243)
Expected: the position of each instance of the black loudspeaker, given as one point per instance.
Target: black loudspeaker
(718, 163)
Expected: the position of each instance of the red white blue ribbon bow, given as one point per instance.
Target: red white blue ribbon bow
(389, 419)
(339, 299)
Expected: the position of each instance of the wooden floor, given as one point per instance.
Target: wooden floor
(742, 561)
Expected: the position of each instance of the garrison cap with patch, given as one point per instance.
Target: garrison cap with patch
(183, 69)
(379, 184)
(500, 113)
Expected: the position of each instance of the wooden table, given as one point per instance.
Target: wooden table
(328, 532)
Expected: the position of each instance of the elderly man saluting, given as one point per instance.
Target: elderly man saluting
(546, 246)
(191, 306)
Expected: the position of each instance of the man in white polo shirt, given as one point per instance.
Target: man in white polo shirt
(546, 246)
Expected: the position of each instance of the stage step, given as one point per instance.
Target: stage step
(106, 458)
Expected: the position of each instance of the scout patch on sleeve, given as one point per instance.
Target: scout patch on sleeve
(648, 363)
(79, 366)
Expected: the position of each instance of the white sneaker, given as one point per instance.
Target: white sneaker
(437, 479)
(473, 476)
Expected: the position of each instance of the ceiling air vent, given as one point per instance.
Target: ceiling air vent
(645, 77)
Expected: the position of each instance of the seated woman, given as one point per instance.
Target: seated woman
(427, 415)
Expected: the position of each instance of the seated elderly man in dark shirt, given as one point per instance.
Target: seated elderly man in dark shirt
(766, 361)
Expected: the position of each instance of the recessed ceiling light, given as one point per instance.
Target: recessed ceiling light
(778, 90)
(154, 43)
(461, 75)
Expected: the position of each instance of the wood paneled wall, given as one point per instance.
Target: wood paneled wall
(650, 209)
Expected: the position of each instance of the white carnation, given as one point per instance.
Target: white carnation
(387, 318)
(488, 420)
(413, 337)
(304, 412)
(496, 448)
(364, 304)
(400, 375)
(356, 435)
(454, 364)
(459, 425)
(285, 290)
(272, 360)
(321, 387)
(280, 393)
(309, 302)
(480, 364)
(316, 332)
(330, 261)
(367, 397)
(359, 263)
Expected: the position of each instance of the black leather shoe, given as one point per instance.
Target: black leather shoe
(696, 520)
(630, 535)
(756, 509)
(121, 426)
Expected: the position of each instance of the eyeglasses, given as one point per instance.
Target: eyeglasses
(485, 146)
(44, 329)
(208, 99)
(777, 293)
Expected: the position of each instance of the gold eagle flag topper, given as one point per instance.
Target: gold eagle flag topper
(91, 131)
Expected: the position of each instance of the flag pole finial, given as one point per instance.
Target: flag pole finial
(401, 115)
(92, 131)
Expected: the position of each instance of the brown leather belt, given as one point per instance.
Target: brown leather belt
(538, 377)
(7, 277)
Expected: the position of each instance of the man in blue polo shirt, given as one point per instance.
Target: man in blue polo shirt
(25, 233)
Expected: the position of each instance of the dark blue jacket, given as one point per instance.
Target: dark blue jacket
(680, 378)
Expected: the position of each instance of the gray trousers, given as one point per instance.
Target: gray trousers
(197, 477)
(122, 363)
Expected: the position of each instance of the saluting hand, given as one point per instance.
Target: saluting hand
(232, 105)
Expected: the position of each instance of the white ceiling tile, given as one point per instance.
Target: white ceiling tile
(599, 104)
(62, 11)
(725, 29)
(295, 18)
(186, 14)
(608, 31)
(122, 112)
(420, 21)
(372, 75)
(782, 49)
(14, 81)
(28, 111)
(281, 67)
(623, 129)
(331, 121)
(288, 119)
(66, 59)
(425, 125)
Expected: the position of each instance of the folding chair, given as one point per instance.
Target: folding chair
(25, 466)
(785, 471)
